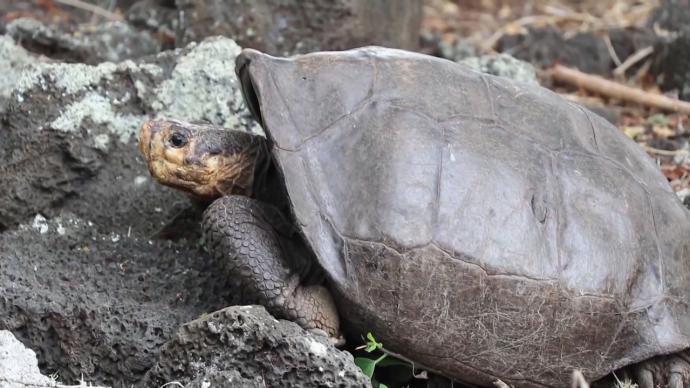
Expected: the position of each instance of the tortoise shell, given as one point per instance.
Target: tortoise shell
(479, 226)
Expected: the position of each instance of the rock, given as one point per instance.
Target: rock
(248, 345)
(671, 57)
(628, 41)
(69, 134)
(160, 17)
(283, 27)
(18, 365)
(457, 51)
(225, 378)
(544, 47)
(671, 15)
(101, 304)
(671, 64)
(87, 43)
(85, 282)
(13, 60)
(503, 65)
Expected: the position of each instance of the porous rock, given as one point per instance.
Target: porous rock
(284, 27)
(672, 64)
(70, 130)
(87, 43)
(544, 47)
(248, 345)
(225, 378)
(18, 365)
(100, 305)
(671, 15)
(13, 60)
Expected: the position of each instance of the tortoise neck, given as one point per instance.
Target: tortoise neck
(262, 167)
(267, 183)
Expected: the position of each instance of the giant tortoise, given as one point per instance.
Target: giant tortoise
(481, 227)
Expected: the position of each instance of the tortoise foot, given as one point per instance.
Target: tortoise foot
(335, 341)
(672, 371)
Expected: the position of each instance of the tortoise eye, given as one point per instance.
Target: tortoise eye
(178, 140)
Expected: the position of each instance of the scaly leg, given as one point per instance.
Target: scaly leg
(244, 234)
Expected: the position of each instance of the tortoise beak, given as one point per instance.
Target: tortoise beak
(145, 138)
(146, 134)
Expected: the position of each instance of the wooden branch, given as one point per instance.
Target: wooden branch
(632, 60)
(613, 89)
(91, 8)
(657, 151)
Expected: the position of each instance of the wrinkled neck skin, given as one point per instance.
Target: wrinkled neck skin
(262, 181)
(268, 185)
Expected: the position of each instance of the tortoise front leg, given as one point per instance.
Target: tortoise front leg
(241, 232)
(671, 371)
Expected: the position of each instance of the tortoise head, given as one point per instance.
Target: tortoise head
(204, 160)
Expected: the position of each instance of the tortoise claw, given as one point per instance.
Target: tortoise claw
(644, 377)
(335, 341)
(671, 371)
(679, 372)
(675, 381)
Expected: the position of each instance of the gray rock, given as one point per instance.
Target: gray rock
(457, 51)
(671, 15)
(503, 65)
(13, 61)
(101, 305)
(159, 16)
(70, 134)
(247, 344)
(671, 64)
(18, 365)
(225, 378)
(543, 47)
(284, 27)
(87, 43)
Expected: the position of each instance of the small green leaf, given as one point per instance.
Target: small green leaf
(372, 343)
(382, 385)
(367, 365)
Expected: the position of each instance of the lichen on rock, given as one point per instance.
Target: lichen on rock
(80, 122)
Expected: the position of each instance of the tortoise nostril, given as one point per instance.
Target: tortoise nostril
(191, 159)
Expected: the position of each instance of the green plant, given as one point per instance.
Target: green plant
(368, 365)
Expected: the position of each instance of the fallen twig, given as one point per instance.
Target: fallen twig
(632, 60)
(657, 151)
(616, 90)
(612, 50)
(91, 8)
